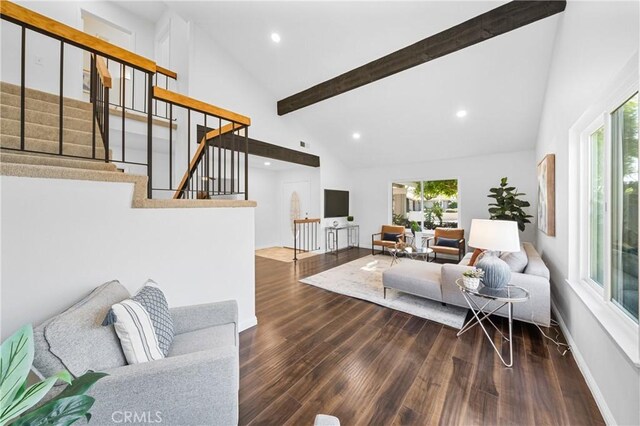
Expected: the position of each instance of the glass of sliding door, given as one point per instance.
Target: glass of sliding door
(624, 207)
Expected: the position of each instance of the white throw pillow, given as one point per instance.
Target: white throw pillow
(135, 331)
(517, 261)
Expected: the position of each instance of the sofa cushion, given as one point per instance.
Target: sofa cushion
(446, 250)
(203, 339)
(77, 338)
(415, 277)
(517, 261)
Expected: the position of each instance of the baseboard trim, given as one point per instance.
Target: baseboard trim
(248, 323)
(584, 369)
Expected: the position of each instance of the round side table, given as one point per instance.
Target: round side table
(502, 296)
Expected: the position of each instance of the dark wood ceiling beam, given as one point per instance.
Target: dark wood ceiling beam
(262, 149)
(500, 20)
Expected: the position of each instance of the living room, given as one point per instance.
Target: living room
(541, 93)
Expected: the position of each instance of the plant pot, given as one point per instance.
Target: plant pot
(470, 282)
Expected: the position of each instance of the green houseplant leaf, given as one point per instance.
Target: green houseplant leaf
(31, 396)
(15, 363)
(508, 205)
(59, 412)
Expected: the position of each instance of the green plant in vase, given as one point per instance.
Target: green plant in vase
(17, 401)
(508, 205)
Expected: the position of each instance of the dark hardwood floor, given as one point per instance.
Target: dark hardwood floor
(314, 351)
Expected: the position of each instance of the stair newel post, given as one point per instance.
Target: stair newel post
(149, 133)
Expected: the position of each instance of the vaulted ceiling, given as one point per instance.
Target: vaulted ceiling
(500, 82)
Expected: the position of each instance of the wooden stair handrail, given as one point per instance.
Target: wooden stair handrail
(231, 127)
(306, 221)
(167, 72)
(185, 101)
(46, 25)
(103, 72)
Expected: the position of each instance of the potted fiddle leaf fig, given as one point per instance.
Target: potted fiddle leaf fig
(17, 401)
(508, 204)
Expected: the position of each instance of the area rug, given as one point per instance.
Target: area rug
(363, 280)
(283, 254)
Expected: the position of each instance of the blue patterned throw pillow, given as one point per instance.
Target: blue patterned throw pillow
(153, 301)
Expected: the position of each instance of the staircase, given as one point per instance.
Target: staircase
(42, 131)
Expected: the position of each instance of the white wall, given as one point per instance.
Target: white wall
(371, 201)
(62, 238)
(44, 75)
(264, 190)
(594, 42)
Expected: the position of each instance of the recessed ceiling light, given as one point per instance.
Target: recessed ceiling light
(275, 37)
(461, 113)
(266, 163)
(356, 135)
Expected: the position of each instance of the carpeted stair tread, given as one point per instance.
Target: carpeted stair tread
(50, 147)
(7, 88)
(56, 161)
(47, 119)
(43, 106)
(50, 133)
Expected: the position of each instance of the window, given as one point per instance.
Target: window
(612, 206)
(429, 203)
(624, 207)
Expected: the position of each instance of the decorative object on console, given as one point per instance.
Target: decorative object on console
(335, 223)
(507, 205)
(494, 236)
(349, 218)
(547, 195)
(471, 278)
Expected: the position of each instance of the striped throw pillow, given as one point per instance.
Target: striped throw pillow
(135, 331)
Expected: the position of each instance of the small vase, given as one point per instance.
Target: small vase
(471, 282)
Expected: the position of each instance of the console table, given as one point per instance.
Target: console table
(331, 237)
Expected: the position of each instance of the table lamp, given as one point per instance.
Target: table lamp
(494, 236)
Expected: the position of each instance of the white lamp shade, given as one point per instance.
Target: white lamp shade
(415, 216)
(494, 235)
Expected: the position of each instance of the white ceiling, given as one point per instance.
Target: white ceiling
(500, 82)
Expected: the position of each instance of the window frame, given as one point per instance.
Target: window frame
(623, 330)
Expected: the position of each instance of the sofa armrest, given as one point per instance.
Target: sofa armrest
(197, 317)
(450, 291)
(196, 388)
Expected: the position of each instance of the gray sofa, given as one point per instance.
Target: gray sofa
(197, 383)
(438, 282)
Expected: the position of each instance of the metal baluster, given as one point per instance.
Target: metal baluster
(149, 137)
(246, 163)
(170, 147)
(22, 89)
(219, 156)
(61, 130)
(92, 96)
(124, 70)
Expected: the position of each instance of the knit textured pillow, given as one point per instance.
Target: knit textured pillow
(153, 301)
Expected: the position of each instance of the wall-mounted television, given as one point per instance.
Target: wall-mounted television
(336, 203)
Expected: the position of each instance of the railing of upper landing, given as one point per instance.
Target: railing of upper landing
(127, 90)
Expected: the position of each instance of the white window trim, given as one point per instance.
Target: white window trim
(619, 326)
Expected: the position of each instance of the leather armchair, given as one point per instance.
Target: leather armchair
(386, 229)
(450, 233)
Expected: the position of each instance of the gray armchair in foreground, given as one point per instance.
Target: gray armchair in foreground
(197, 383)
